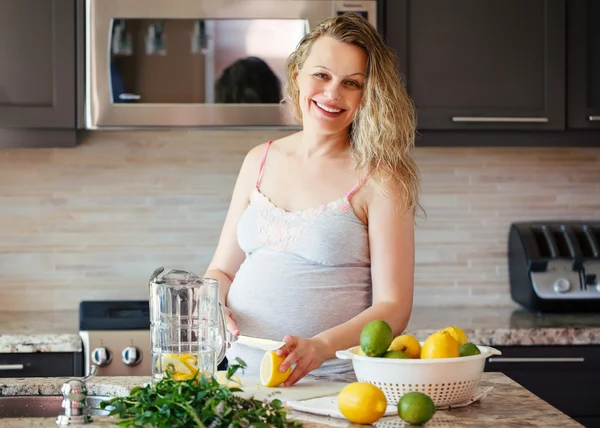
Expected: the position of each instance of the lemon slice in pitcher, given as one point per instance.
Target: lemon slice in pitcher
(176, 364)
(191, 359)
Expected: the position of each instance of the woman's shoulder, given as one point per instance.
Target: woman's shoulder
(257, 153)
(377, 193)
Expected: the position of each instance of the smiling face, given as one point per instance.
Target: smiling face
(330, 82)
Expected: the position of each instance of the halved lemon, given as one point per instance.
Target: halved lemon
(269, 370)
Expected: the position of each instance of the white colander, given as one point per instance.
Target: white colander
(447, 381)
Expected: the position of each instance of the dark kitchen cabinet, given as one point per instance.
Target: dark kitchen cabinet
(567, 377)
(583, 64)
(37, 52)
(41, 364)
(482, 65)
(39, 78)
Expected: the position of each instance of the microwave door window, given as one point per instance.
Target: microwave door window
(201, 61)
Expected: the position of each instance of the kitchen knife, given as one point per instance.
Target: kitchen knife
(257, 343)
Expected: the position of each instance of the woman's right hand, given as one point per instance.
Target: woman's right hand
(231, 322)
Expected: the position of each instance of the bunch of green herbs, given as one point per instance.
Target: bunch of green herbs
(197, 402)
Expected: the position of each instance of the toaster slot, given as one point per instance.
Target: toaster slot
(544, 245)
(588, 247)
(594, 234)
(564, 246)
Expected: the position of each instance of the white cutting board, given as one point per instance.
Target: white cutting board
(304, 389)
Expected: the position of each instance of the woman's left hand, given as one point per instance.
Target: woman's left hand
(307, 354)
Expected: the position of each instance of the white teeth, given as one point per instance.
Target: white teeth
(330, 110)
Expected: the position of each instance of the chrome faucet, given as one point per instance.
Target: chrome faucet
(74, 402)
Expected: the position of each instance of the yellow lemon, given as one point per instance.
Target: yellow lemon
(182, 376)
(269, 370)
(362, 403)
(359, 351)
(174, 363)
(408, 344)
(458, 334)
(233, 382)
(188, 376)
(440, 344)
(191, 359)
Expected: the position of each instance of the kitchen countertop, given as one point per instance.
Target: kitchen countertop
(491, 326)
(507, 405)
(50, 331)
(508, 326)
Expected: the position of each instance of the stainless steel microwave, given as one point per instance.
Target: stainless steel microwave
(196, 63)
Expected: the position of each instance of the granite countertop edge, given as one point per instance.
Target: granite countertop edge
(42, 342)
(543, 336)
(56, 331)
(117, 386)
(524, 336)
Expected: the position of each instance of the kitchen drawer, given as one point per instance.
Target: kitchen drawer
(41, 364)
(567, 377)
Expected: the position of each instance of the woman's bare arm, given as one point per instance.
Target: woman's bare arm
(392, 247)
(228, 255)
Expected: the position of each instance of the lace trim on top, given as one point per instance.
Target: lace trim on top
(281, 229)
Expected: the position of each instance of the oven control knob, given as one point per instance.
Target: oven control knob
(561, 285)
(131, 356)
(101, 356)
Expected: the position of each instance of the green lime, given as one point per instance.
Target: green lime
(468, 349)
(375, 338)
(416, 408)
(395, 354)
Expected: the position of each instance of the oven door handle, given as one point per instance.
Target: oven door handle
(12, 366)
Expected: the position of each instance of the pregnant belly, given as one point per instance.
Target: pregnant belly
(272, 301)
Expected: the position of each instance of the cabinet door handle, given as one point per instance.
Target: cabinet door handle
(536, 360)
(593, 118)
(129, 97)
(11, 367)
(500, 119)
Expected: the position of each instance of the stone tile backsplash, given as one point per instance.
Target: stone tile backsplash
(92, 222)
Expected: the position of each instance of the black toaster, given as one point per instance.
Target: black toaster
(554, 266)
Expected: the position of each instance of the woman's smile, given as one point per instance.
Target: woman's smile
(328, 110)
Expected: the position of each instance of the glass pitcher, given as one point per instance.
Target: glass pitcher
(187, 325)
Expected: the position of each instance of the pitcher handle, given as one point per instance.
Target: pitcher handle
(223, 333)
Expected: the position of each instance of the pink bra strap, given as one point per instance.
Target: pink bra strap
(262, 163)
(357, 185)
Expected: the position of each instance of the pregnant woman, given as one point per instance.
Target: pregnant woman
(319, 236)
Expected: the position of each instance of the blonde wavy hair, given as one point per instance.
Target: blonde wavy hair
(382, 134)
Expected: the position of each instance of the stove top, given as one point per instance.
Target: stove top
(114, 315)
(116, 337)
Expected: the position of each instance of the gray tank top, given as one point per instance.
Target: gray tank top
(304, 272)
